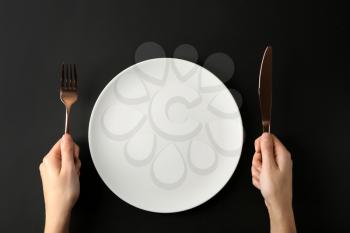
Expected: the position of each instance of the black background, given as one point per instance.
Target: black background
(310, 110)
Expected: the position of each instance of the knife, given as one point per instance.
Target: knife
(265, 89)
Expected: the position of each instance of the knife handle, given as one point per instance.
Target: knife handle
(266, 127)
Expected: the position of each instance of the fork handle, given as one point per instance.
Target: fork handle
(67, 124)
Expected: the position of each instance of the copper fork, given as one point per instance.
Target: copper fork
(68, 90)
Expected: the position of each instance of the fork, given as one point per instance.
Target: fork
(68, 90)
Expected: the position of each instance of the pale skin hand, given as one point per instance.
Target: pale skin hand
(272, 175)
(59, 171)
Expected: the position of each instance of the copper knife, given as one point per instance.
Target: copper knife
(265, 89)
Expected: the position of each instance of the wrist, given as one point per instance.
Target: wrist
(281, 218)
(57, 221)
(280, 210)
(279, 205)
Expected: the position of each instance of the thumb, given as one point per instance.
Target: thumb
(67, 151)
(267, 151)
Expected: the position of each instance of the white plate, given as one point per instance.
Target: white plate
(165, 135)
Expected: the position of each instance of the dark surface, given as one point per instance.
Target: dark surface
(310, 110)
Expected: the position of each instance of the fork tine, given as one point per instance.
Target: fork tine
(70, 77)
(65, 76)
(66, 73)
(75, 77)
(62, 75)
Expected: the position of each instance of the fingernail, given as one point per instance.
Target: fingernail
(66, 137)
(266, 137)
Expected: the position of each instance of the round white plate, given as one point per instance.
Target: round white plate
(165, 135)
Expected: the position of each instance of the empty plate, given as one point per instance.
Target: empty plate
(165, 135)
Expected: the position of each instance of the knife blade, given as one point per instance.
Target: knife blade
(265, 89)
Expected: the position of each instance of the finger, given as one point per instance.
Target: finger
(257, 145)
(56, 150)
(255, 172)
(76, 151)
(256, 183)
(52, 163)
(256, 162)
(279, 147)
(67, 151)
(41, 168)
(267, 151)
(283, 156)
(78, 165)
(42, 172)
(53, 158)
